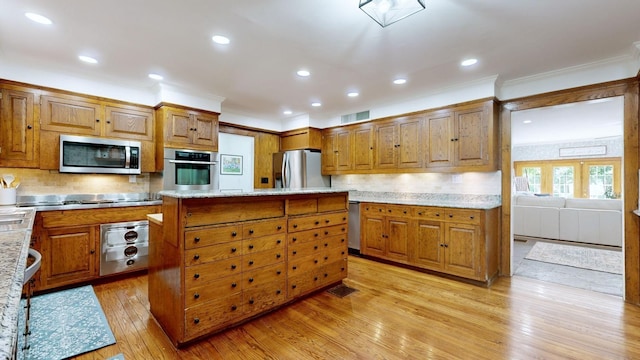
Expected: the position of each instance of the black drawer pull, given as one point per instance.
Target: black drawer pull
(196, 296)
(234, 249)
(233, 266)
(250, 280)
(315, 261)
(316, 234)
(294, 239)
(317, 222)
(278, 256)
(293, 286)
(196, 257)
(326, 244)
(315, 247)
(326, 233)
(344, 219)
(450, 215)
(196, 321)
(279, 241)
(234, 308)
(295, 267)
(278, 292)
(279, 227)
(250, 246)
(234, 234)
(196, 275)
(279, 272)
(325, 274)
(250, 231)
(196, 239)
(326, 258)
(326, 221)
(250, 262)
(233, 285)
(471, 217)
(315, 278)
(437, 214)
(294, 252)
(295, 226)
(251, 301)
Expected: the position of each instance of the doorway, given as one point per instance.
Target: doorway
(627, 90)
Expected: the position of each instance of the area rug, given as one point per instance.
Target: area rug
(610, 261)
(64, 324)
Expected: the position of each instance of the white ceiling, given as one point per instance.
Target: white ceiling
(341, 46)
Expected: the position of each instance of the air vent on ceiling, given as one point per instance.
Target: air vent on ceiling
(362, 115)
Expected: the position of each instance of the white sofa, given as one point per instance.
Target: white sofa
(593, 221)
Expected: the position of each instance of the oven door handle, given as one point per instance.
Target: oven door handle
(193, 162)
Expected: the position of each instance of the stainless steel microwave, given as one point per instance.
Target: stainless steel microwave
(90, 155)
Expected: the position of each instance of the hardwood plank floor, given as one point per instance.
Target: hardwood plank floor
(397, 313)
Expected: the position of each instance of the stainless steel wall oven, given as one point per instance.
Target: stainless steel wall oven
(190, 170)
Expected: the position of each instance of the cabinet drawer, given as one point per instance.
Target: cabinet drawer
(212, 235)
(223, 287)
(429, 213)
(265, 297)
(201, 274)
(317, 247)
(263, 258)
(315, 234)
(320, 220)
(372, 208)
(260, 277)
(315, 261)
(303, 283)
(334, 272)
(206, 317)
(256, 245)
(467, 216)
(264, 228)
(211, 253)
(201, 212)
(302, 206)
(332, 203)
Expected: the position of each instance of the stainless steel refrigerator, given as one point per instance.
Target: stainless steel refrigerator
(298, 169)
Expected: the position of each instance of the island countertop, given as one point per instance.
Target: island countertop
(196, 194)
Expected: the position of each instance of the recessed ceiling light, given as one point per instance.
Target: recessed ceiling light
(156, 77)
(527, 122)
(88, 59)
(303, 73)
(400, 81)
(219, 39)
(38, 18)
(469, 62)
(287, 112)
(353, 94)
(316, 104)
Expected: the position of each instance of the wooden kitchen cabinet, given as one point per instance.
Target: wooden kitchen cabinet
(387, 231)
(19, 128)
(188, 128)
(460, 242)
(462, 139)
(300, 139)
(70, 255)
(399, 143)
(232, 258)
(362, 146)
(336, 150)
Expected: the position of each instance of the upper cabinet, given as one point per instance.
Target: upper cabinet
(399, 143)
(187, 128)
(455, 139)
(462, 140)
(307, 138)
(18, 127)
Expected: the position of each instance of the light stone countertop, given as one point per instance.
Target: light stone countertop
(463, 201)
(14, 247)
(195, 194)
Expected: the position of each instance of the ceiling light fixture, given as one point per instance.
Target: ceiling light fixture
(386, 12)
(88, 59)
(469, 62)
(353, 94)
(219, 39)
(400, 81)
(316, 104)
(527, 122)
(303, 73)
(156, 77)
(38, 18)
(287, 112)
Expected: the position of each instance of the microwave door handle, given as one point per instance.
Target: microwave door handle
(285, 171)
(127, 157)
(193, 162)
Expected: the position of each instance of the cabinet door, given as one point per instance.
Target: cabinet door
(461, 254)
(410, 143)
(69, 255)
(205, 130)
(17, 133)
(438, 131)
(429, 244)
(328, 153)
(372, 236)
(178, 128)
(129, 122)
(72, 115)
(472, 140)
(343, 147)
(398, 238)
(363, 147)
(387, 146)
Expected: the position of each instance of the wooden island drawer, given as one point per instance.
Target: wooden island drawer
(212, 253)
(200, 274)
(467, 216)
(317, 221)
(263, 228)
(206, 317)
(263, 276)
(226, 286)
(265, 297)
(211, 235)
(251, 246)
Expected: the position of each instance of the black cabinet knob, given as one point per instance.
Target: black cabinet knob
(196, 275)
(234, 308)
(279, 227)
(279, 272)
(278, 256)
(250, 280)
(315, 261)
(326, 258)
(294, 239)
(29, 127)
(294, 286)
(196, 296)
(233, 266)
(196, 257)
(315, 247)
(279, 241)
(233, 250)
(278, 292)
(326, 233)
(326, 244)
(315, 278)
(251, 301)
(295, 226)
(196, 320)
(196, 239)
(250, 262)
(316, 234)
(450, 215)
(233, 285)
(234, 234)
(250, 246)
(317, 222)
(97, 120)
(250, 231)
(294, 252)
(326, 221)
(295, 267)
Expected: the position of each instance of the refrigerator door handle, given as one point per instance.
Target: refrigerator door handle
(285, 171)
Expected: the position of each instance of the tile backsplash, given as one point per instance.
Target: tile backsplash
(477, 183)
(45, 182)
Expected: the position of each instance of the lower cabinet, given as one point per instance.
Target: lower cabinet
(460, 242)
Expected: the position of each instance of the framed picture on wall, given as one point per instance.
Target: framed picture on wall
(231, 165)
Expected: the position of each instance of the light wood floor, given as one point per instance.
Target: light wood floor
(397, 314)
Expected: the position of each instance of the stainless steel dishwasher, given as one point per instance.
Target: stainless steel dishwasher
(354, 227)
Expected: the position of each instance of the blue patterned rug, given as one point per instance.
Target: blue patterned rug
(64, 324)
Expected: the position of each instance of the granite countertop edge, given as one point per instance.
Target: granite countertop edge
(462, 201)
(196, 194)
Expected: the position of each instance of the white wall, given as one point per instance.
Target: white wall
(230, 144)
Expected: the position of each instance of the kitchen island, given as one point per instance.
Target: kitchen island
(217, 259)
